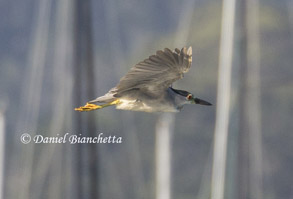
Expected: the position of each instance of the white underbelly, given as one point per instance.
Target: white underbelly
(135, 105)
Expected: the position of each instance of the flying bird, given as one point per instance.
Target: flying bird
(147, 86)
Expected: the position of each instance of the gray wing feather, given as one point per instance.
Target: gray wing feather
(156, 73)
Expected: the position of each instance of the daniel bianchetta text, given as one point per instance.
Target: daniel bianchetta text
(77, 139)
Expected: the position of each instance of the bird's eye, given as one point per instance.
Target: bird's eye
(189, 97)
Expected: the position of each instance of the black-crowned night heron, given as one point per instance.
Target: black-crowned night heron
(147, 86)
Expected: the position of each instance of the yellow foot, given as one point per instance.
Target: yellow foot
(91, 107)
(88, 107)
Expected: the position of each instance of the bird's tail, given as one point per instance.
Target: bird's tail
(107, 98)
(104, 99)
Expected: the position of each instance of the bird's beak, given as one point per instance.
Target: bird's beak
(201, 102)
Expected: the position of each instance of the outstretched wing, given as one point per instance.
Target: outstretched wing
(157, 73)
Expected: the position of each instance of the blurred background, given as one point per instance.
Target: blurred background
(57, 55)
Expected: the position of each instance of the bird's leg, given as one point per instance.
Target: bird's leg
(91, 107)
(115, 102)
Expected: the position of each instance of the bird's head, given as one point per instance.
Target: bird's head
(189, 98)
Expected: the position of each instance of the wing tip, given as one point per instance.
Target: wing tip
(186, 51)
(189, 51)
